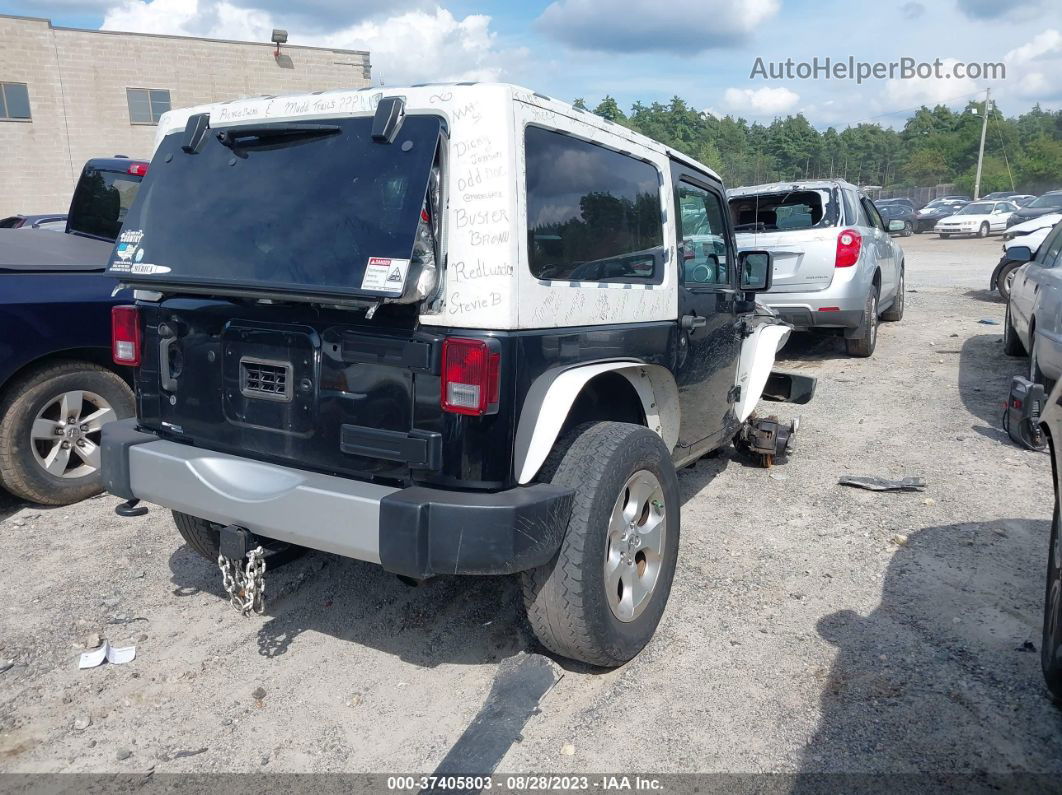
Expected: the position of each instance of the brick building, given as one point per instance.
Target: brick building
(68, 94)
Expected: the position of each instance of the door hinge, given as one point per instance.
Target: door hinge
(734, 395)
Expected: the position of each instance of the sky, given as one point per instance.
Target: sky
(647, 50)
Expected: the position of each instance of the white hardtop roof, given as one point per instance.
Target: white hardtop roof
(782, 187)
(346, 102)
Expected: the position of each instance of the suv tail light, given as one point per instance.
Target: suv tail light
(470, 376)
(848, 244)
(125, 335)
(138, 169)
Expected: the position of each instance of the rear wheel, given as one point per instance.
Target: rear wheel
(1051, 641)
(1006, 278)
(1011, 343)
(601, 597)
(50, 428)
(984, 230)
(205, 539)
(863, 346)
(895, 312)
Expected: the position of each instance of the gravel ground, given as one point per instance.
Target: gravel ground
(812, 627)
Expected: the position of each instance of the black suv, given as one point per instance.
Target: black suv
(392, 328)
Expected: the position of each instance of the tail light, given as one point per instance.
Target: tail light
(848, 244)
(470, 377)
(138, 169)
(125, 335)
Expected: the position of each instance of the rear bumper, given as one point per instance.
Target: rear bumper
(418, 532)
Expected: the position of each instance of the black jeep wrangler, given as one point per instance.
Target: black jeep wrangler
(449, 329)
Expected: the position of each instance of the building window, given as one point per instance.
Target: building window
(146, 105)
(592, 214)
(14, 101)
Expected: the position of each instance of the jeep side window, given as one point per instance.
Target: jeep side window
(592, 214)
(702, 236)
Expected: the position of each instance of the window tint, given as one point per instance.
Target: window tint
(702, 236)
(146, 105)
(592, 214)
(101, 202)
(14, 101)
(872, 213)
(1049, 252)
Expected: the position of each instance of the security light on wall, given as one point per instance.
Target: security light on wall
(279, 37)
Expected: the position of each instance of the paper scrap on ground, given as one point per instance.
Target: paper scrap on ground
(112, 654)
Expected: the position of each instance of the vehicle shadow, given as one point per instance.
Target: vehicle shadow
(988, 296)
(804, 346)
(9, 504)
(455, 620)
(943, 677)
(984, 382)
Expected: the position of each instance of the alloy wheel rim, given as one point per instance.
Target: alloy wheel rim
(873, 320)
(637, 533)
(65, 435)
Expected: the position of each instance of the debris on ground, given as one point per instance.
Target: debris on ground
(910, 483)
(987, 321)
(112, 654)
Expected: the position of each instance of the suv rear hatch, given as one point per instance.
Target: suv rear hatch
(799, 227)
(292, 259)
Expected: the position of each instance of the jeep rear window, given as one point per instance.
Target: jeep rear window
(297, 209)
(783, 212)
(592, 214)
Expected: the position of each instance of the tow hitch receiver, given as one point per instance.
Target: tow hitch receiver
(767, 437)
(241, 559)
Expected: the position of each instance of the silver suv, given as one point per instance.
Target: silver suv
(835, 265)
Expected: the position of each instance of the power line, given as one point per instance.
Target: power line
(912, 110)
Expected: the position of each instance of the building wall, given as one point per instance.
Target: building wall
(77, 81)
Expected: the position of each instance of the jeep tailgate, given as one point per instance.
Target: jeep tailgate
(293, 384)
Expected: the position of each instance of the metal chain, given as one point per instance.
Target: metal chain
(245, 585)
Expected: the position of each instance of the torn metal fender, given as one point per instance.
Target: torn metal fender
(768, 334)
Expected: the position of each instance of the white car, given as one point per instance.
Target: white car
(1030, 234)
(977, 218)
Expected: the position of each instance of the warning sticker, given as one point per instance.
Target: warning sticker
(385, 275)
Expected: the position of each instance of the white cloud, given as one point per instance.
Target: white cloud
(761, 101)
(676, 26)
(415, 46)
(1048, 43)
(917, 91)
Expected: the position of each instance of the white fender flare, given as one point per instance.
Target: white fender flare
(754, 366)
(552, 394)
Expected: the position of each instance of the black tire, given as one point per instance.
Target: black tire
(1002, 283)
(908, 230)
(566, 601)
(864, 345)
(21, 472)
(944, 237)
(205, 539)
(894, 313)
(1011, 342)
(984, 230)
(1051, 640)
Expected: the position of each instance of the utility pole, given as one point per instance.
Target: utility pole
(981, 152)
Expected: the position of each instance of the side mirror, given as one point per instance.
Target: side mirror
(1019, 254)
(896, 226)
(756, 270)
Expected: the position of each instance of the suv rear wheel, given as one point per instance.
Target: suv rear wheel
(865, 344)
(50, 423)
(1011, 343)
(895, 312)
(601, 597)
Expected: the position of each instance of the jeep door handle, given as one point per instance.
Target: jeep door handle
(690, 322)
